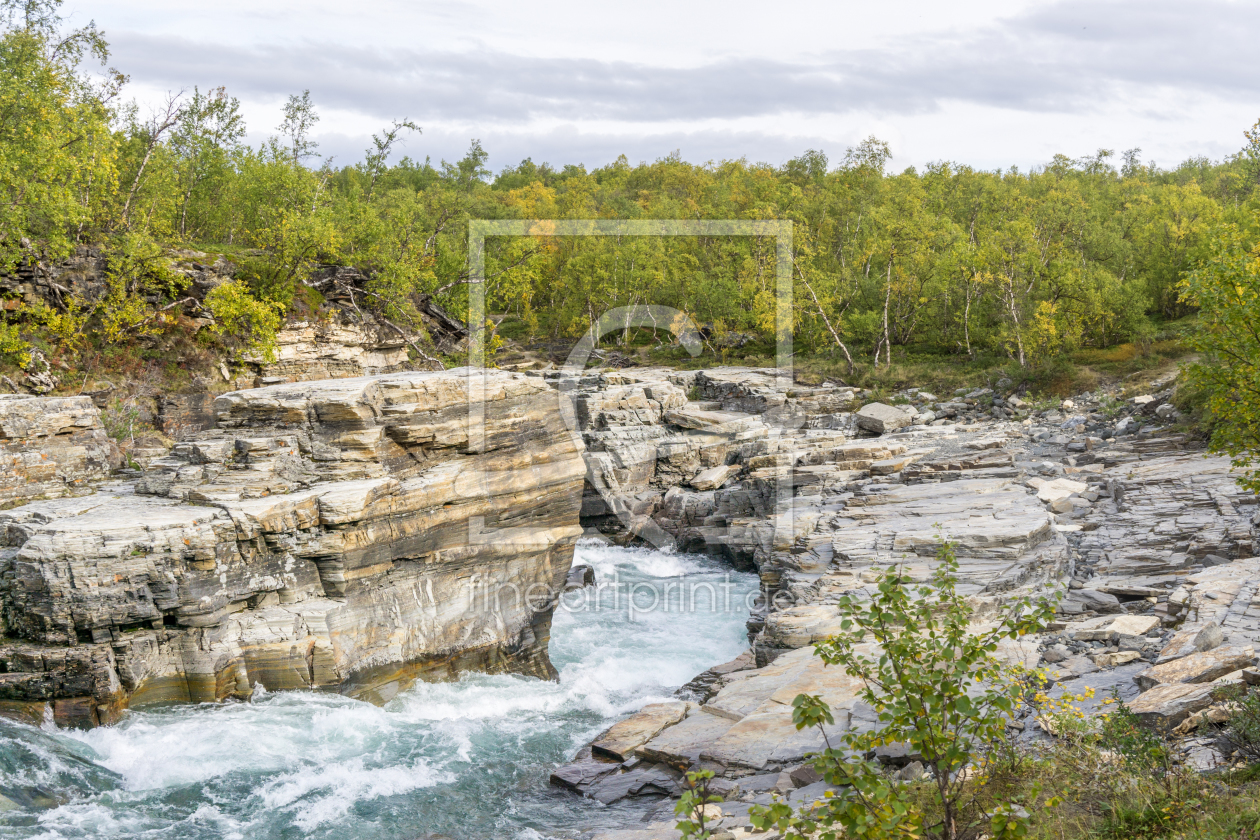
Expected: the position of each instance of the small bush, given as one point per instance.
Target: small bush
(121, 419)
(1243, 733)
(935, 686)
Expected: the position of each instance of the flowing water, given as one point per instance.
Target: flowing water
(467, 760)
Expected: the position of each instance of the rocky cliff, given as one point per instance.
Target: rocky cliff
(349, 535)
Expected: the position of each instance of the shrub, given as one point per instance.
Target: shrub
(238, 313)
(935, 686)
(694, 822)
(1242, 736)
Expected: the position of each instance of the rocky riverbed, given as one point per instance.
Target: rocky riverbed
(1148, 541)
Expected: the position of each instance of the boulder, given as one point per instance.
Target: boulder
(880, 418)
(1111, 660)
(1199, 667)
(1181, 644)
(714, 477)
(1060, 489)
(1211, 636)
(1099, 602)
(580, 576)
(1107, 628)
(1165, 706)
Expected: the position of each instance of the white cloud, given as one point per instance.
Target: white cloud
(988, 85)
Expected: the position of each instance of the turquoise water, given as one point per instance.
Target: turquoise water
(467, 760)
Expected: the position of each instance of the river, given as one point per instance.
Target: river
(465, 760)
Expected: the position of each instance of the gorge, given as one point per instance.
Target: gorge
(318, 548)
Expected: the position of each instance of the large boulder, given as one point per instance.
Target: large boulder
(1165, 706)
(625, 736)
(880, 418)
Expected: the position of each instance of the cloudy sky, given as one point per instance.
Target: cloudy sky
(992, 83)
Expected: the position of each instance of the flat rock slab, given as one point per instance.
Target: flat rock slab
(1165, 706)
(680, 745)
(765, 738)
(1181, 644)
(1199, 667)
(714, 477)
(1060, 489)
(1111, 660)
(888, 466)
(1111, 627)
(652, 780)
(624, 737)
(581, 774)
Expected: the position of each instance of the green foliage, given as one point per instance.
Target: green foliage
(239, 314)
(1029, 267)
(1226, 289)
(1243, 732)
(693, 824)
(13, 348)
(937, 687)
(1139, 747)
(139, 280)
(57, 153)
(121, 419)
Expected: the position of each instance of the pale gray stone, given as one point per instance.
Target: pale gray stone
(881, 418)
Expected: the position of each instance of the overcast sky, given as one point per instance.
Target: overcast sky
(991, 83)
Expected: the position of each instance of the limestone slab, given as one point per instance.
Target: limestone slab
(625, 736)
(1199, 667)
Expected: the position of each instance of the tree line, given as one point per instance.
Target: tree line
(1080, 252)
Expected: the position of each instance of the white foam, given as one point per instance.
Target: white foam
(312, 760)
(317, 795)
(649, 562)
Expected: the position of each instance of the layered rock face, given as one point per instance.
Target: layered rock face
(50, 447)
(315, 350)
(349, 535)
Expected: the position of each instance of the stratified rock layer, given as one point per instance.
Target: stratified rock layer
(349, 534)
(50, 447)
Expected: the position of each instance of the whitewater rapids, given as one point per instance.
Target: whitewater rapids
(466, 760)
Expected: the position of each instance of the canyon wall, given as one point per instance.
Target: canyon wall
(347, 535)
